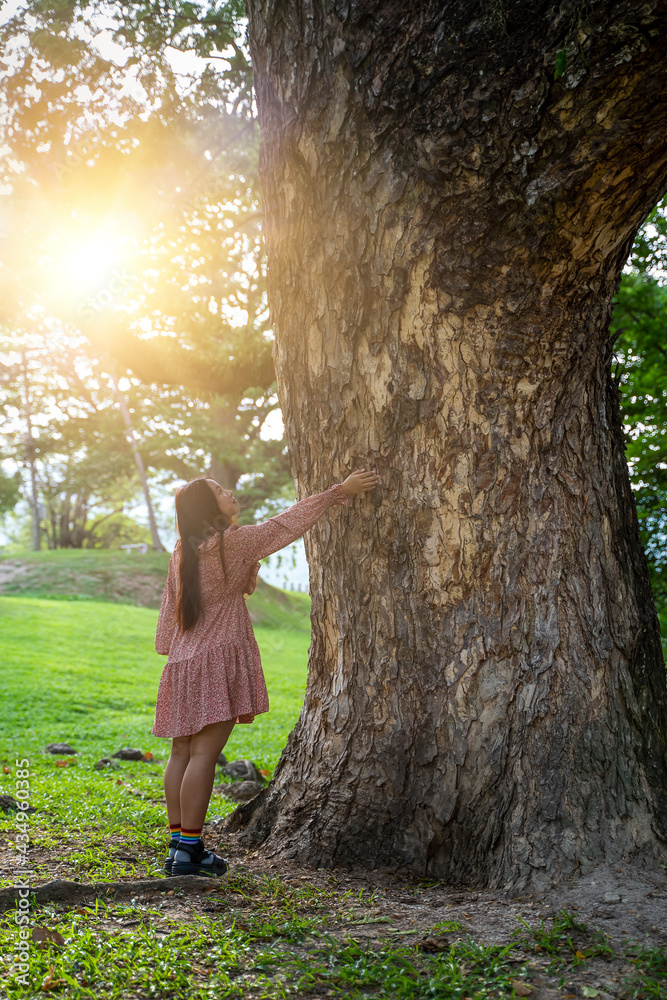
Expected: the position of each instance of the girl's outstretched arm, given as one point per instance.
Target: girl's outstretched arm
(260, 540)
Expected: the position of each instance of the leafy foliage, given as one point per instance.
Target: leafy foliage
(119, 138)
(639, 326)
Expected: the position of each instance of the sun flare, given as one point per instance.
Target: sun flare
(86, 259)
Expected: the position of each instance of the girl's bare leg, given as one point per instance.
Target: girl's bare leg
(173, 776)
(199, 775)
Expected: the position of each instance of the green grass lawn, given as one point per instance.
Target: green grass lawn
(86, 673)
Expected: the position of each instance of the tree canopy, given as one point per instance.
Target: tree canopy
(133, 238)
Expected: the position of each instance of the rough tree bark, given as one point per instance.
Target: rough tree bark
(446, 225)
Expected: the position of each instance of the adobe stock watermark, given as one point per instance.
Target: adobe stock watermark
(80, 151)
(22, 886)
(106, 297)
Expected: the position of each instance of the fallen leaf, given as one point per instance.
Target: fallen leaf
(371, 920)
(148, 755)
(579, 954)
(64, 763)
(265, 773)
(434, 944)
(467, 916)
(49, 982)
(6, 770)
(590, 991)
(42, 935)
(521, 989)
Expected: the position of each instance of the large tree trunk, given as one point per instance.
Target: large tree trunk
(446, 227)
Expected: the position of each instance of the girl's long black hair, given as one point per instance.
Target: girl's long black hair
(198, 517)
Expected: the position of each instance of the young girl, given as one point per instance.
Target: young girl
(213, 677)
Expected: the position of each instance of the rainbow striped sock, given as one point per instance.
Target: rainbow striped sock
(175, 831)
(188, 837)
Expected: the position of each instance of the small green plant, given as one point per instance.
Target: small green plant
(553, 939)
(361, 896)
(568, 941)
(649, 980)
(495, 18)
(446, 926)
(561, 63)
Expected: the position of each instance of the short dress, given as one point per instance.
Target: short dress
(214, 671)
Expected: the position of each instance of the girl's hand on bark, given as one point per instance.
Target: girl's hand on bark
(360, 481)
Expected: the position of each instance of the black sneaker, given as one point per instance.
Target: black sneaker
(168, 862)
(196, 860)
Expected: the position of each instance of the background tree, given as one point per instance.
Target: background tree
(639, 330)
(145, 212)
(67, 437)
(450, 195)
(84, 470)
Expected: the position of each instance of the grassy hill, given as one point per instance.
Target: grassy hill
(129, 578)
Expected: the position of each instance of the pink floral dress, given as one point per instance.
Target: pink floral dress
(214, 671)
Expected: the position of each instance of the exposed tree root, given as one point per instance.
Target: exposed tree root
(60, 890)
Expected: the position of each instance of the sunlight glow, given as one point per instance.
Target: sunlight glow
(90, 259)
(273, 428)
(85, 261)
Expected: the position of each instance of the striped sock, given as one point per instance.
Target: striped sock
(188, 837)
(175, 831)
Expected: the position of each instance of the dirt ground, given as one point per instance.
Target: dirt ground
(10, 571)
(628, 905)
